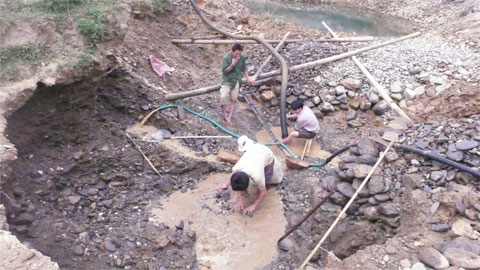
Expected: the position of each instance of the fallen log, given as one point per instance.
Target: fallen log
(274, 41)
(209, 89)
(283, 63)
(374, 82)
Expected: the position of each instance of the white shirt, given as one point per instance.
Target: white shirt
(253, 163)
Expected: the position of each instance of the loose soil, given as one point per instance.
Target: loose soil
(93, 202)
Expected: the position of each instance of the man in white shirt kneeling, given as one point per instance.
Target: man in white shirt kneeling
(258, 167)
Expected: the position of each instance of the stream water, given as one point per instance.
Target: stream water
(339, 18)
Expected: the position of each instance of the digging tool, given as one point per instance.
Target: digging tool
(309, 213)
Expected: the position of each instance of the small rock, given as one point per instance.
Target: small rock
(463, 227)
(286, 244)
(466, 145)
(396, 87)
(109, 246)
(433, 258)
(391, 250)
(23, 219)
(351, 83)
(460, 208)
(389, 210)
(371, 213)
(409, 94)
(78, 250)
(346, 189)
(381, 107)
(326, 107)
(438, 175)
(268, 95)
(434, 207)
(440, 227)
(351, 115)
(340, 90)
(74, 199)
(373, 98)
(405, 263)
(418, 266)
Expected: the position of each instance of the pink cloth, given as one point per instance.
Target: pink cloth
(159, 66)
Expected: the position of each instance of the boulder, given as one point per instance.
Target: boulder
(433, 258)
(367, 147)
(461, 258)
(464, 243)
(268, 95)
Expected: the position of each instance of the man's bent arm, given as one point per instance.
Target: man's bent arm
(258, 200)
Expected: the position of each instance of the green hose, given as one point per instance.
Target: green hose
(221, 127)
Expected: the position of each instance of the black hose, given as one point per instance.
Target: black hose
(440, 159)
(338, 152)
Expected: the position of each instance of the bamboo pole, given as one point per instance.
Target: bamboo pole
(199, 137)
(374, 82)
(337, 57)
(274, 41)
(264, 64)
(346, 206)
(283, 63)
(144, 156)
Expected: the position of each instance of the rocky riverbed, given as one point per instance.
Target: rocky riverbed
(82, 191)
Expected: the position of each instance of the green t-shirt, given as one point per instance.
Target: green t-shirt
(236, 74)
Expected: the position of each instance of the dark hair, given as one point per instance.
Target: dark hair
(237, 47)
(239, 181)
(297, 104)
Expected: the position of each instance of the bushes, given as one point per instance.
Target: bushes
(93, 27)
(57, 6)
(160, 5)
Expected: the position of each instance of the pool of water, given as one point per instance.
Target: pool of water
(339, 18)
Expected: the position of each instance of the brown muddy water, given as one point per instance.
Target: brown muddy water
(225, 239)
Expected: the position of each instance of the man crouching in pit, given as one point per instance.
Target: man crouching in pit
(258, 168)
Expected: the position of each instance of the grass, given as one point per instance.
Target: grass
(31, 55)
(93, 27)
(160, 5)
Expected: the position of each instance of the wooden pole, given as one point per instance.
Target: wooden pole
(144, 156)
(274, 41)
(198, 137)
(264, 64)
(374, 82)
(346, 206)
(209, 89)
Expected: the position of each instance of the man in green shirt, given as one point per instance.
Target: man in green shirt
(233, 66)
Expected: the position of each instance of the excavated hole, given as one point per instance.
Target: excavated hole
(85, 197)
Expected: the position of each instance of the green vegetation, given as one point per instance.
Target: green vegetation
(29, 54)
(93, 27)
(160, 5)
(57, 6)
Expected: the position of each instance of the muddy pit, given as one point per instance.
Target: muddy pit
(84, 195)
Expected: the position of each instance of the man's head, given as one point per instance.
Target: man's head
(237, 50)
(297, 105)
(239, 181)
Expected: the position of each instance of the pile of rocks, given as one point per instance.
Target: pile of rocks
(457, 141)
(374, 201)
